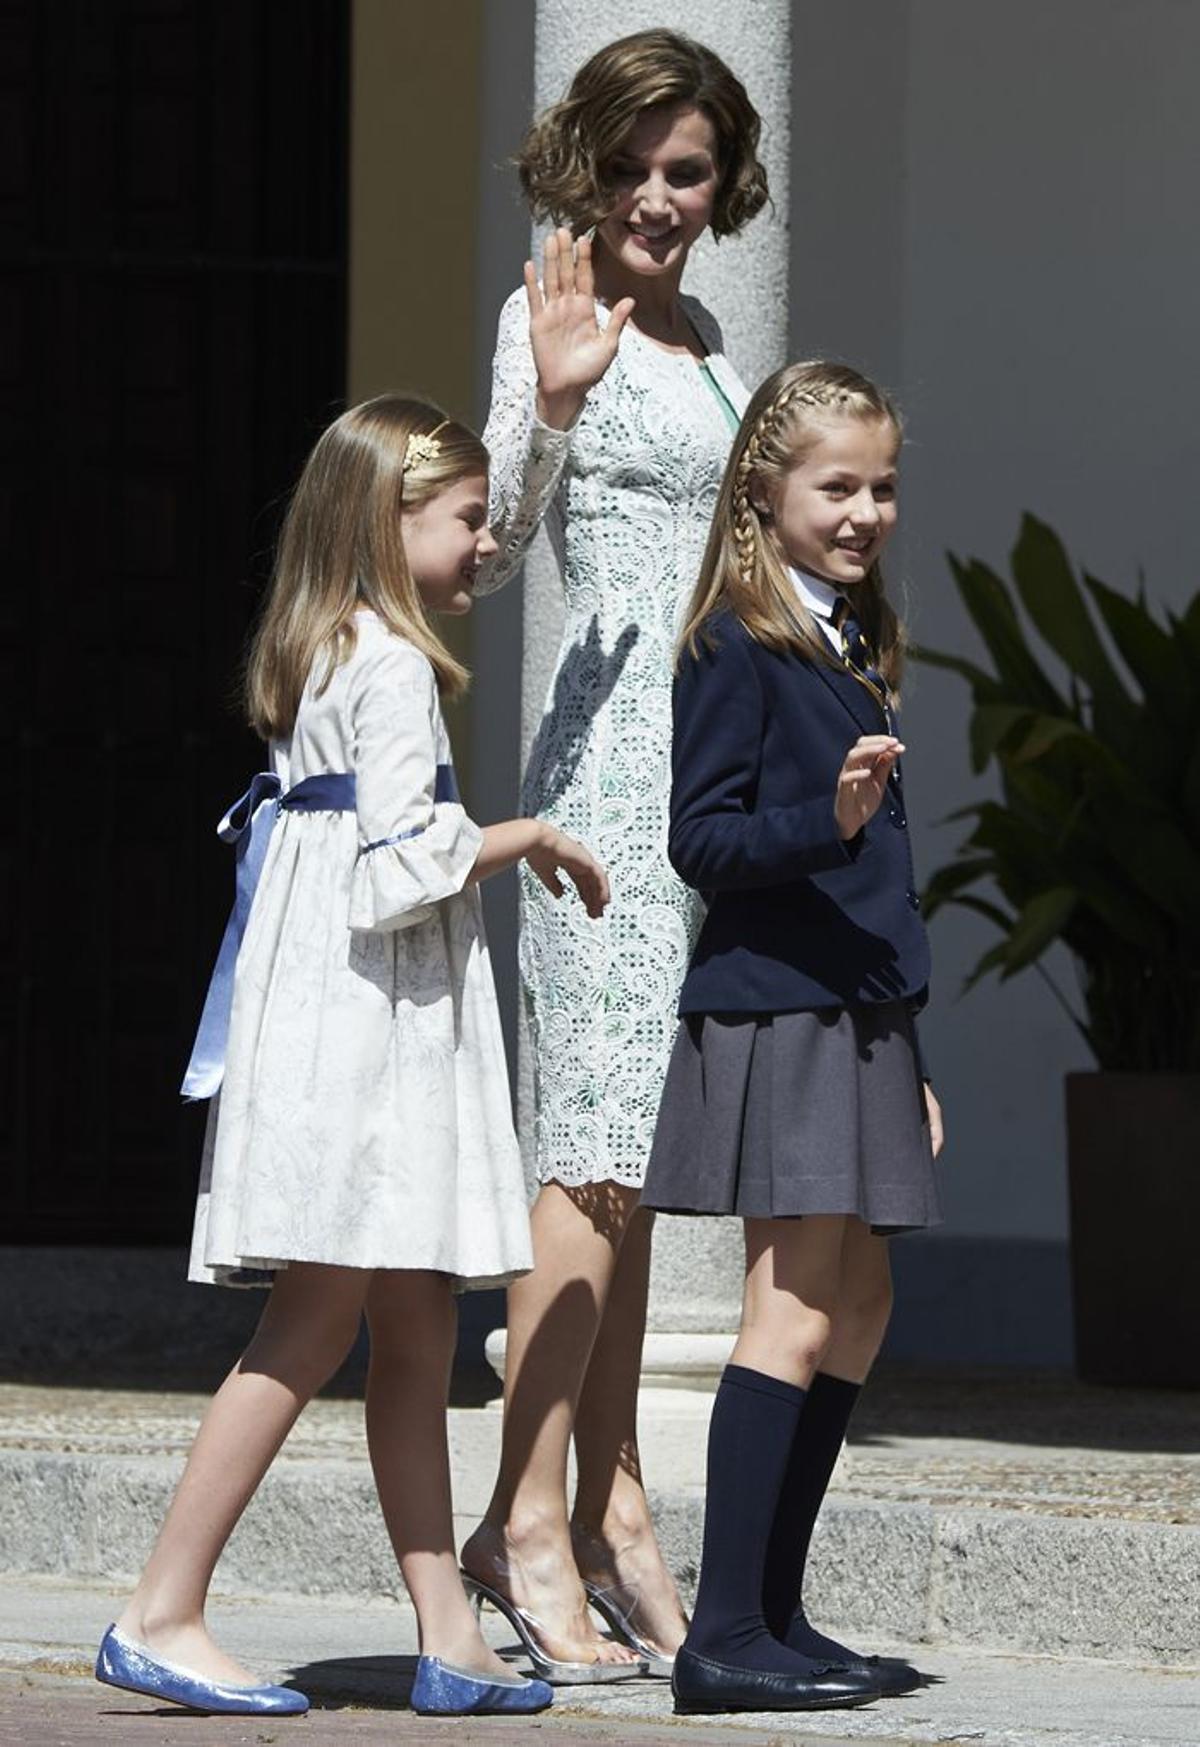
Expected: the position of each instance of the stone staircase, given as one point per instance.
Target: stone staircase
(1023, 1513)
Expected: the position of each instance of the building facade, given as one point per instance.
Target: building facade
(982, 206)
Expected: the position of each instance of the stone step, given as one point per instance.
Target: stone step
(1042, 1545)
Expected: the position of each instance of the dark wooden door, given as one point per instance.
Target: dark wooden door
(173, 196)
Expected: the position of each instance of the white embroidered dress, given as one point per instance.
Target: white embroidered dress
(364, 1118)
(627, 496)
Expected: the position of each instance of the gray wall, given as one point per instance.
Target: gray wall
(1005, 232)
(992, 208)
(502, 241)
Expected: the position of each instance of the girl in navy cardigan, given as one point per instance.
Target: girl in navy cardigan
(795, 1095)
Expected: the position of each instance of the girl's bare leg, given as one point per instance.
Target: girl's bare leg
(412, 1318)
(523, 1544)
(860, 1320)
(789, 1299)
(864, 1304)
(793, 1277)
(611, 1529)
(305, 1332)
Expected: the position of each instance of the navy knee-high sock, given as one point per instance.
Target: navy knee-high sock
(814, 1453)
(750, 1437)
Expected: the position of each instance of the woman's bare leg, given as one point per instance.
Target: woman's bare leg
(413, 1319)
(611, 1530)
(523, 1544)
(305, 1332)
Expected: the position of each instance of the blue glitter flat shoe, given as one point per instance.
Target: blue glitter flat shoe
(125, 1663)
(442, 1690)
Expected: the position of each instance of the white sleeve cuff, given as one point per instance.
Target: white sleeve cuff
(397, 882)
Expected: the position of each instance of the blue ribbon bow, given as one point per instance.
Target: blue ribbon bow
(248, 826)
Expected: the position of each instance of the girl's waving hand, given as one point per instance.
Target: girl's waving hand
(863, 780)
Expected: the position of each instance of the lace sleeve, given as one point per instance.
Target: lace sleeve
(527, 456)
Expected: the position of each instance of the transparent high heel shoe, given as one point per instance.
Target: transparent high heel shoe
(527, 1626)
(618, 1606)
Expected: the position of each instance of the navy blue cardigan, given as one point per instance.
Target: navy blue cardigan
(797, 918)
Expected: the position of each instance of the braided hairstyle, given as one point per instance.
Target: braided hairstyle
(745, 569)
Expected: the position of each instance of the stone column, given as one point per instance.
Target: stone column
(696, 1283)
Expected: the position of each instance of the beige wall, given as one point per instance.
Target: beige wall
(414, 174)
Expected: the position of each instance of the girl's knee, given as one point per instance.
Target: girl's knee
(412, 1325)
(306, 1356)
(808, 1342)
(307, 1329)
(864, 1299)
(407, 1350)
(861, 1321)
(797, 1337)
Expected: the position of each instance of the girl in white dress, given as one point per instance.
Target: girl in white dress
(613, 410)
(361, 1153)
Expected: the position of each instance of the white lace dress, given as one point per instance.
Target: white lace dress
(364, 1118)
(627, 496)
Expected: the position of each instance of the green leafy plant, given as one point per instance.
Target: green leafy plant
(1096, 839)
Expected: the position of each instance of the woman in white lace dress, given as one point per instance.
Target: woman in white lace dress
(613, 410)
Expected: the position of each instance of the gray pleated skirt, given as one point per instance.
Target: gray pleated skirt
(778, 1114)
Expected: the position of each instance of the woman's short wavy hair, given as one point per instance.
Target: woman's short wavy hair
(565, 161)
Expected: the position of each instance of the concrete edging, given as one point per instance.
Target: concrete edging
(919, 1573)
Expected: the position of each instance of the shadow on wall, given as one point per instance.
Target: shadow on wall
(966, 1404)
(981, 1301)
(129, 1319)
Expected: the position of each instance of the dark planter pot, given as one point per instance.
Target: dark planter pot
(1133, 1146)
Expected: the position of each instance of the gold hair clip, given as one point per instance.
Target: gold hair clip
(422, 447)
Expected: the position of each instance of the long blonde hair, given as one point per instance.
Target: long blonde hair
(744, 568)
(340, 548)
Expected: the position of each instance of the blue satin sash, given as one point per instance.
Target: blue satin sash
(248, 826)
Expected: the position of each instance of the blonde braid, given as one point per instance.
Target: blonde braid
(746, 514)
(744, 568)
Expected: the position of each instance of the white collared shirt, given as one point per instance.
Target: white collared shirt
(820, 597)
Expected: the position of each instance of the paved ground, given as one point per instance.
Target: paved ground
(356, 1660)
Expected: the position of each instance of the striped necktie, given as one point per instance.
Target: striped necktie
(856, 652)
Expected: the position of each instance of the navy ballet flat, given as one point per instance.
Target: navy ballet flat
(893, 1675)
(123, 1662)
(702, 1686)
(442, 1690)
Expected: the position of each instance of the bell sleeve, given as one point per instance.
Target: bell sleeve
(416, 843)
(527, 456)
